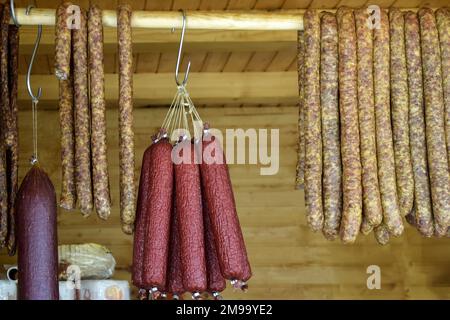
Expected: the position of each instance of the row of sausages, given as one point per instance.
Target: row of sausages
(374, 122)
(188, 237)
(9, 137)
(80, 70)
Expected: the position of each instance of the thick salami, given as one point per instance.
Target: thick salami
(62, 42)
(443, 23)
(219, 198)
(159, 211)
(434, 119)
(313, 136)
(300, 176)
(12, 154)
(399, 111)
(82, 118)
(382, 234)
(37, 237)
(216, 282)
(332, 171)
(423, 215)
(126, 134)
(188, 197)
(100, 178)
(373, 213)
(175, 274)
(385, 149)
(348, 103)
(141, 218)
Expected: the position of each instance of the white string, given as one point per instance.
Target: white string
(34, 157)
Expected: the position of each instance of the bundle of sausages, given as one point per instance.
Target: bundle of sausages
(9, 139)
(374, 122)
(188, 237)
(82, 109)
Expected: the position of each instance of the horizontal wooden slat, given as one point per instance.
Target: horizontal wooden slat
(204, 87)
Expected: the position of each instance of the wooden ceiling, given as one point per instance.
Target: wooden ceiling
(209, 51)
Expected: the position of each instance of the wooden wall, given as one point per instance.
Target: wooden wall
(288, 260)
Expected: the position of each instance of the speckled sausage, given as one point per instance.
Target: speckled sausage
(62, 42)
(13, 150)
(348, 101)
(443, 23)
(141, 218)
(366, 227)
(300, 176)
(4, 78)
(423, 215)
(373, 212)
(174, 274)
(385, 149)
(82, 118)
(68, 196)
(126, 134)
(399, 111)
(434, 119)
(313, 137)
(332, 171)
(100, 177)
(3, 198)
(159, 211)
(218, 194)
(382, 234)
(216, 282)
(188, 197)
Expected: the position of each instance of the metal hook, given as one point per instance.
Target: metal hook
(34, 98)
(180, 48)
(13, 13)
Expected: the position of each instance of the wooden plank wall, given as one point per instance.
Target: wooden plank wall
(289, 261)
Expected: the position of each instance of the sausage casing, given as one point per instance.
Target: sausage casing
(62, 42)
(300, 175)
(313, 136)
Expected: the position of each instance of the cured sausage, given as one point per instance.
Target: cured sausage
(12, 154)
(382, 234)
(37, 237)
(175, 273)
(399, 111)
(159, 211)
(423, 215)
(188, 198)
(443, 23)
(100, 178)
(4, 78)
(383, 130)
(366, 227)
(332, 171)
(68, 197)
(141, 218)
(373, 213)
(62, 42)
(434, 119)
(126, 134)
(219, 198)
(348, 103)
(300, 176)
(216, 282)
(3, 166)
(313, 137)
(82, 118)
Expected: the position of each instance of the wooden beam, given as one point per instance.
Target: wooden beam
(204, 88)
(163, 40)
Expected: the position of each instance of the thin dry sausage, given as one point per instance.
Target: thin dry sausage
(313, 137)
(399, 111)
(100, 178)
(300, 176)
(4, 78)
(350, 142)
(382, 234)
(82, 118)
(383, 130)
(126, 134)
(373, 213)
(62, 42)
(423, 214)
(332, 171)
(434, 119)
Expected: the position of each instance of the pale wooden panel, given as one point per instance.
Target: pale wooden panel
(155, 5)
(321, 4)
(237, 61)
(282, 61)
(241, 4)
(288, 260)
(260, 61)
(269, 4)
(147, 62)
(186, 4)
(214, 61)
(296, 4)
(213, 5)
